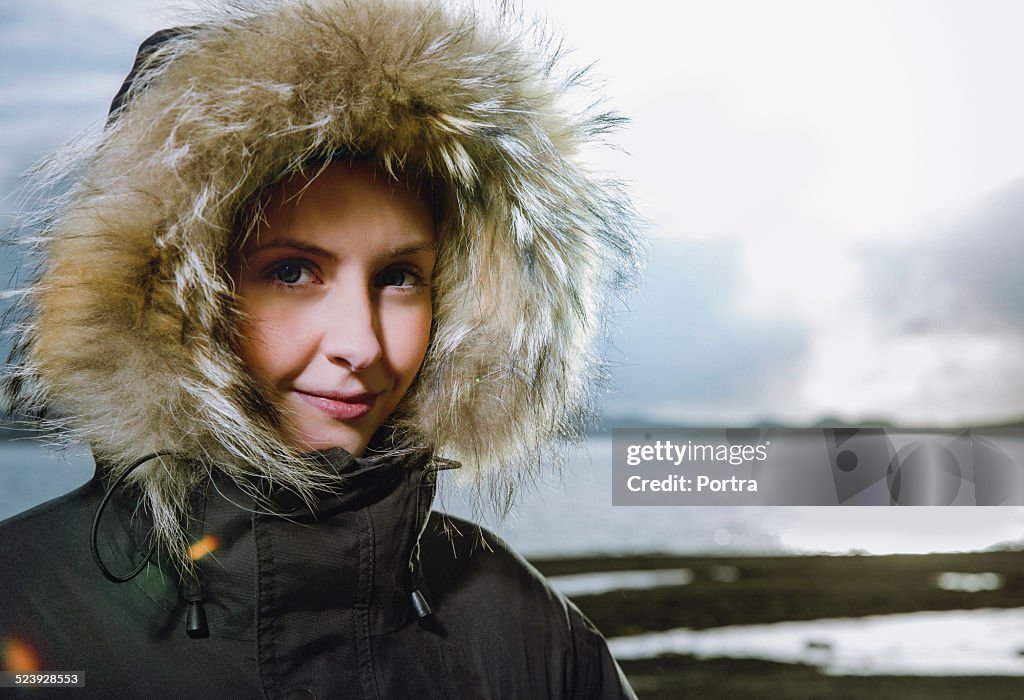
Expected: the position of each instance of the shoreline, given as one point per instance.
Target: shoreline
(743, 590)
(731, 590)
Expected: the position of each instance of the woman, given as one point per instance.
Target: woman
(320, 251)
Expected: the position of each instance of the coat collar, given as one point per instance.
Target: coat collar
(272, 566)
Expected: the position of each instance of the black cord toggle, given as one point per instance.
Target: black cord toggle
(196, 625)
(420, 605)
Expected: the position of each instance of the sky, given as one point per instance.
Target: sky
(834, 193)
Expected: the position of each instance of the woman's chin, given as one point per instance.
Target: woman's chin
(347, 438)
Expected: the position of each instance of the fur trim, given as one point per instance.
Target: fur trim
(128, 336)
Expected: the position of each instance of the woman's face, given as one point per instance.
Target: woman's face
(335, 282)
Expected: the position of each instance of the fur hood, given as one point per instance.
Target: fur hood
(127, 335)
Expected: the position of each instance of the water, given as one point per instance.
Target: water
(606, 581)
(958, 642)
(575, 515)
(30, 474)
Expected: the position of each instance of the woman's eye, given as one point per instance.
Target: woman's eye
(291, 273)
(399, 277)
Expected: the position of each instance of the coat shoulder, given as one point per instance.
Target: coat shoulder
(51, 533)
(461, 552)
(481, 587)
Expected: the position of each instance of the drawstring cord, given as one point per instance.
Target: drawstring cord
(420, 605)
(195, 625)
(195, 621)
(114, 578)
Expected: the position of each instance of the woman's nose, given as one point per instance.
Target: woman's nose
(351, 332)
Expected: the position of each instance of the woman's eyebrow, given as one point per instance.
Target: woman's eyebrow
(413, 248)
(398, 251)
(297, 245)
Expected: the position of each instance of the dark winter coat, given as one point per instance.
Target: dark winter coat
(300, 604)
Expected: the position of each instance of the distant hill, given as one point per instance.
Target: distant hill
(614, 422)
(12, 431)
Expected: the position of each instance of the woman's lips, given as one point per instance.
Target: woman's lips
(340, 406)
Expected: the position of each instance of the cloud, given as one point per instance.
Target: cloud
(966, 276)
(936, 332)
(688, 353)
(928, 329)
(60, 65)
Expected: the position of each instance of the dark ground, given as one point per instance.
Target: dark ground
(776, 589)
(669, 678)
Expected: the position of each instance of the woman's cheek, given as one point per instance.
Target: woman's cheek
(407, 331)
(268, 343)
